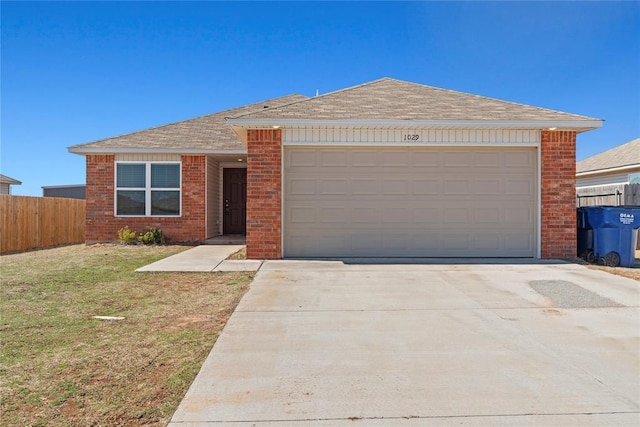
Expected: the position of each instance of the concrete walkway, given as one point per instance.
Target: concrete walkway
(335, 344)
(204, 258)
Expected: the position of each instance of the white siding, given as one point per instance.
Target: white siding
(148, 158)
(5, 189)
(403, 137)
(213, 198)
(611, 179)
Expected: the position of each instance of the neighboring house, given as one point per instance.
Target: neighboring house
(387, 168)
(65, 191)
(6, 183)
(600, 179)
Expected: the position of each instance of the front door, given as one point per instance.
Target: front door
(234, 182)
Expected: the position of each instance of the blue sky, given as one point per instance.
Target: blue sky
(75, 72)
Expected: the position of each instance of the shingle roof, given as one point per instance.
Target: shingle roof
(204, 133)
(390, 99)
(8, 180)
(627, 154)
(381, 100)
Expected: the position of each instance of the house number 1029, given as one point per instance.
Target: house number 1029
(411, 137)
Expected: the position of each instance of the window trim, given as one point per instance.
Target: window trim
(147, 188)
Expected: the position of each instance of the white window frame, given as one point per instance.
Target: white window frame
(147, 188)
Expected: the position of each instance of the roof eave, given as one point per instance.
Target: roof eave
(607, 170)
(130, 150)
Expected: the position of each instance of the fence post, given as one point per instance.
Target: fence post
(632, 194)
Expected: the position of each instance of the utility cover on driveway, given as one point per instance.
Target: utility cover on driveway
(326, 343)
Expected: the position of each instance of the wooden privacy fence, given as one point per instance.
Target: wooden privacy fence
(40, 222)
(609, 195)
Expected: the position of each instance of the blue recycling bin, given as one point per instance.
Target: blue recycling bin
(585, 236)
(614, 233)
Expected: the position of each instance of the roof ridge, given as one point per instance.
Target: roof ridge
(311, 98)
(190, 119)
(452, 92)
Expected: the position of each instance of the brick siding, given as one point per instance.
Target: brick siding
(264, 193)
(558, 155)
(102, 225)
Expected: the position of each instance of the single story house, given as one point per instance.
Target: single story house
(601, 179)
(387, 168)
(6, 182)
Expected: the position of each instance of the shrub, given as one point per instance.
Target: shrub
(152, 237)
(126, 236)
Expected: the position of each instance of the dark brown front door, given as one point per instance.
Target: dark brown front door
(234, 183)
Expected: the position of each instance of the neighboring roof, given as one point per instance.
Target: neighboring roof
(199, 135)
(389, 100)
(48, 187)
(8, 180)
(625, 155)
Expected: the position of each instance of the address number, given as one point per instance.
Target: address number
(412, 137)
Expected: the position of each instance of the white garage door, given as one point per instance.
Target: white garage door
(418, 202)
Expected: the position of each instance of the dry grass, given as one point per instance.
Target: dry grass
(241, 254)
(632, 273)
(61, 367)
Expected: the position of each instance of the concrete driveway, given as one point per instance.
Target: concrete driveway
(329, 343)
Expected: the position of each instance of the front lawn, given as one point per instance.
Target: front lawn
(60, 366)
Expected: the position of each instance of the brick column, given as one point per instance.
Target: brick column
(99, 197)
(264, 193)
(558, 170)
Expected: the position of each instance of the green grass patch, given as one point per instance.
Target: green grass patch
(59, 366)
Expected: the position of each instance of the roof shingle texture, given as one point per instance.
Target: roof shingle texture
(390, 99)
(627, 154)
(210, 132)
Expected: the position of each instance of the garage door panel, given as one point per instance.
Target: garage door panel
(363, 158)
(384, 202)
(334, 215)
(457, 186)
(426, 159)
(302, 186)
(301, 215)
(458, 159)
(395, 158)
(300, 158)
(333, 187)
(487, 242)
(487, 187)
(364, 186)
(488, 160)
(395, 187)
(333, 158)
(519, 187)
(518, 159)
(490, 215)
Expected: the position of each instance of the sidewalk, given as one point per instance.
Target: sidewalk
(206, 258)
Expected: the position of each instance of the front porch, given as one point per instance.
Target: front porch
(226, 195)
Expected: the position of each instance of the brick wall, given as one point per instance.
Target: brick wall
(102, 225)
(264, 193)
(558, 155)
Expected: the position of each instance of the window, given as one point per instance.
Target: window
(634, 178)
(147, 189)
